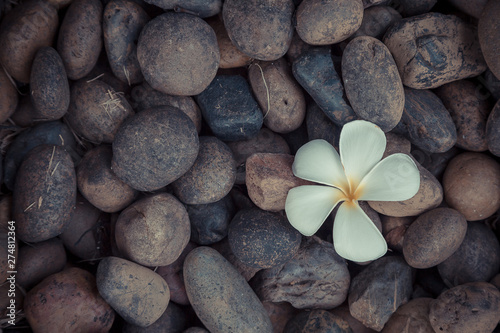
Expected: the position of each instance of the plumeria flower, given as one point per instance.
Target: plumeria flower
(357, 174)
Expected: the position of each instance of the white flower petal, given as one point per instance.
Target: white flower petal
(319, 162)
(361, 145)
(395, 178)
(308, 206)
(355, 237)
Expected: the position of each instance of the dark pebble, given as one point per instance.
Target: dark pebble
(315, 72)
(173, 320)
(317, 277)
(477, 258)
(262, 239)
(209, 222)
(379, 290)
(319, 126)
(492, 132)
(229, 108)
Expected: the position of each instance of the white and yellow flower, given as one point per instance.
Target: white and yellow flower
(357, 174)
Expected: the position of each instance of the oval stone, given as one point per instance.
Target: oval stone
(372, 83)
(139, 295)
(220, 296)
(262, 239)
(433, 237)
(489, 35)
(154, 148)
(211, 176)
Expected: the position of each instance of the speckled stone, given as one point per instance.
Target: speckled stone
(317, 321)
(262, 239)
(379, 290)
(269, 177)
(317, 277)
(315, 72)
(223, 248)
(280, 314)
(265, 142)
(210, 222)
(411, 317)
(220, 296)
(211, 176)
(230, 110)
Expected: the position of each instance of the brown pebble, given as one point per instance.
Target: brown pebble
(411, 317)
(489, 35)
(471, 307)
(433, 237)
(269, 177)
(280, 314)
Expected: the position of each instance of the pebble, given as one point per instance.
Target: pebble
(415, 7)
(477, 258)
(376, 20)
(280, 97)
(280, 314)
(473, 8)
(230, 110)
(99, 185)
(471, 184)
(316, 278)
(269, 177)
(262, 239)
(433, 237)
(196, 330)
(379, 290)
(266, 141)
(220, 296)
(469, 112)
(411, 317)
(356, 326)
(471, 307)
(50, 306)
(433, 49)
(136, 293)
(245, 270)
(317, 321)
(52, 132)
(372, 83)
(315, 72)
(211, 177)
(426, 122)
(210, 222)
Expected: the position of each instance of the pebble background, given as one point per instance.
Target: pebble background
(146, 152)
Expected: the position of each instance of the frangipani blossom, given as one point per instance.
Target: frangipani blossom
(357, 174)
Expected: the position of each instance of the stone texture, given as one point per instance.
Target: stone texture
(372, 83)
(433, 237)
(433, 49)
(211, 176)
(316, 278)
(489, 35)
(220, 296)
(317, 321)
(269, 177)
(315, 72)
(262, 239)
(230, 110)
(411, 317)
(379, 290)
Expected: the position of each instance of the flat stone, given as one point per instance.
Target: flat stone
(220, 296)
